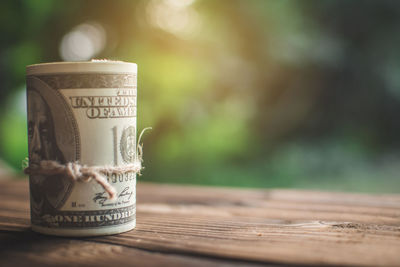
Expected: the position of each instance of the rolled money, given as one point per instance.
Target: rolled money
(82, 112)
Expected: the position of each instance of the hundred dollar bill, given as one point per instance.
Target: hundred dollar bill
(82, 112)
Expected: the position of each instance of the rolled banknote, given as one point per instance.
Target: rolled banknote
(82, 112)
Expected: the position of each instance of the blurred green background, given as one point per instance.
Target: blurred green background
(294, 94)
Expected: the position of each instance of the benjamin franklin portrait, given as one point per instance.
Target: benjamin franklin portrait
(47, 192)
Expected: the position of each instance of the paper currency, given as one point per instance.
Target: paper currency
(82, 112)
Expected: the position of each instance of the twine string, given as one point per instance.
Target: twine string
(78, 172)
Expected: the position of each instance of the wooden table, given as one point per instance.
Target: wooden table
(203, 226)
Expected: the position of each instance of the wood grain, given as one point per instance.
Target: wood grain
(203, 226)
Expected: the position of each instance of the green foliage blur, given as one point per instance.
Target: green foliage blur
(296, 94)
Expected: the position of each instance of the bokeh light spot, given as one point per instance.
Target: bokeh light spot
(173, 16)
(83, 42)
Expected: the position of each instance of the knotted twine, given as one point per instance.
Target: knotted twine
(78, 172)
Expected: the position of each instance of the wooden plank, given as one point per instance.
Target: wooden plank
(26, 247)
(203, 225)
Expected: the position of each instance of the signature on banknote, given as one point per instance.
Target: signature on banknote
(123, 198)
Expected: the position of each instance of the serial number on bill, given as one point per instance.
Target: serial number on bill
(121, 177)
